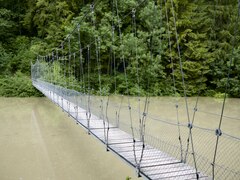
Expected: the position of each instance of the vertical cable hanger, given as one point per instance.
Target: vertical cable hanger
(184, 88)
(46, 67)
(113, 56)
(81, 71)
(147, 99)
(69, 62)
(97, 51)
(114, 59)
(218, 131)
(53, 73)
(106, 134)
(126, 78)
(134, 32)
(106, 131)
(74, 87)
(78, 74)
(58, 66)
(69, 73)
(118, 112)
(88, 113)
(74, 70)
(195, 109)
(174, 82)
(64, 74)
(50, 74)
(137, 164)
(124, 64)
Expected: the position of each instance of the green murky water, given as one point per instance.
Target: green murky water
(39, 142)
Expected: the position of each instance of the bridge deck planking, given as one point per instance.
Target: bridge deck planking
(154, 165)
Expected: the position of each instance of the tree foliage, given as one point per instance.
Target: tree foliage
(207, 36)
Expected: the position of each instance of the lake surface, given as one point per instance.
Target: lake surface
(38, 141)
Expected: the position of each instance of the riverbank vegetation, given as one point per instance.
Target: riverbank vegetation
(208, 40)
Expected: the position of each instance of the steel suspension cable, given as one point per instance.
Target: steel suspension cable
(76, 27)
(105, 34)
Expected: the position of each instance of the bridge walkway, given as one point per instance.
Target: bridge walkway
(155, 163)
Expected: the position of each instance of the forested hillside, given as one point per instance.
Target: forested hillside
(209, 37)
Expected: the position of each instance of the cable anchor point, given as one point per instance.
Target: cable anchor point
(190, 125)
(138, 170)
(92, 7)
(218, 132)
(133, 12)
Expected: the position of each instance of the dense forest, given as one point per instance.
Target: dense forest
(208, 38)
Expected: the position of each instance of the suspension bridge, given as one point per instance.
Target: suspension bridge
(179, 149)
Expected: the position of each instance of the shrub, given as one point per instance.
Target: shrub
(18, 85)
